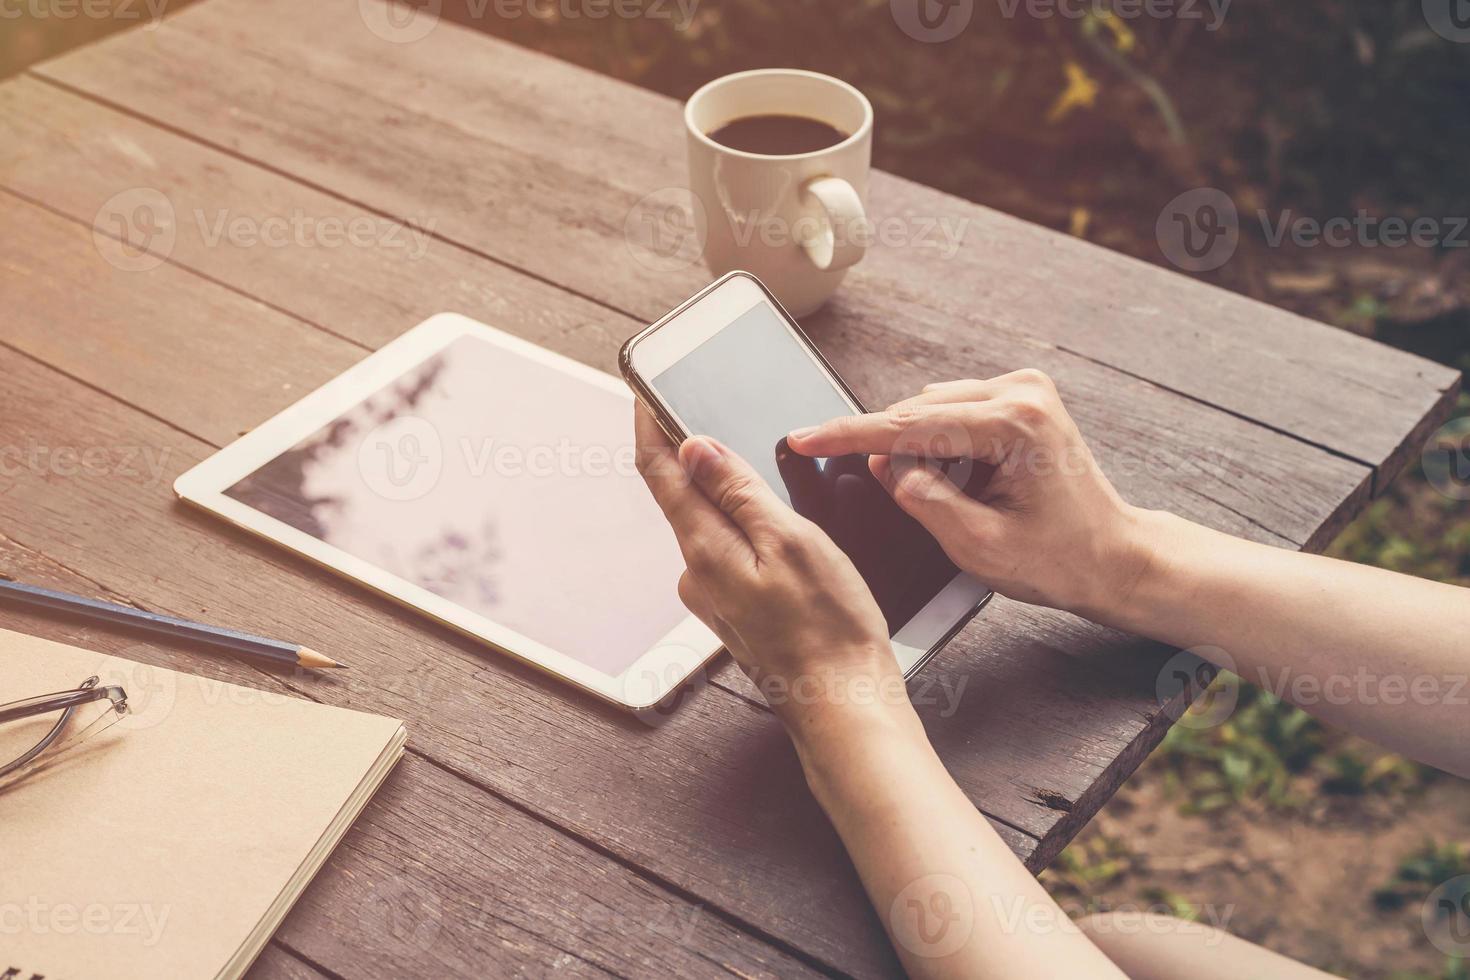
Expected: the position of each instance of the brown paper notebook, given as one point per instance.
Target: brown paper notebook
(173, 843)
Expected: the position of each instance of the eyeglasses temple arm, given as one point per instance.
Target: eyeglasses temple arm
(46, 703)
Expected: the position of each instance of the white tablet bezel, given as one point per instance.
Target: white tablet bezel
(652, 678)
(675, 336)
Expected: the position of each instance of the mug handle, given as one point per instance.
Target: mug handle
(842, 208)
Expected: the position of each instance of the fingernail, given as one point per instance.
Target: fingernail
(802, 433)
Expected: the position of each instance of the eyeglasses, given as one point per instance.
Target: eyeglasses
(64, 705)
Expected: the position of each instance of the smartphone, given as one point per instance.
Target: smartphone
(732, 364)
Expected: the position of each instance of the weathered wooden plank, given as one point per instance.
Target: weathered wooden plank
(275, 963)
(713, 801)
(164, 367)
(506, 118)
(879, 381)
(1022, 746)
(1159, 446)
(1324, 385)
(439, 877)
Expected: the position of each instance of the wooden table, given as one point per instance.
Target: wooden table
(530, 829)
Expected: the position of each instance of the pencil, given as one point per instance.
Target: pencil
(257, 647)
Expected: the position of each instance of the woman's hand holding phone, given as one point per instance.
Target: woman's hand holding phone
(783, 598)
(1045, 527)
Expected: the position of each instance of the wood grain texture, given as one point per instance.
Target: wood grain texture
(517, 176)
(275, 963)
(439, 877)
(713, 802)
(1162, 450)
(166, 368)
(506, 159)
(193, 566)
(1048, 740)
(1137, 439)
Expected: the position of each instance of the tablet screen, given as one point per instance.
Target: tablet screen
(499, 483)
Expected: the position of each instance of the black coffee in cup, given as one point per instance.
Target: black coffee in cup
(778, 135)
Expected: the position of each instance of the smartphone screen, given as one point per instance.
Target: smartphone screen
(750, 384)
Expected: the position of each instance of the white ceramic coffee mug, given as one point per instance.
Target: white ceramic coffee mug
(797, 221)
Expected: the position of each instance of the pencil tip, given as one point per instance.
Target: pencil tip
(307, 657)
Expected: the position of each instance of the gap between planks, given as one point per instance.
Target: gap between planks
(1377, 483)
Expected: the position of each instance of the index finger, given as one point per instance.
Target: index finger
(943, 431)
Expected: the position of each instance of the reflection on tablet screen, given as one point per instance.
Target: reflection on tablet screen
(499, 483)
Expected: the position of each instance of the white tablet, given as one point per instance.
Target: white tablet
(488, 483)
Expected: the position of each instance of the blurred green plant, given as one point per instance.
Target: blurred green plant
(1169, 902)
(1088, 864)
(1326, 104)
(1413, 529)
(1422, 871)
(1455, 968)
(1276, 754)
(1251, 755)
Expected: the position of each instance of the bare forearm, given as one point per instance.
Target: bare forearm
(1382, 654)
(954, 898)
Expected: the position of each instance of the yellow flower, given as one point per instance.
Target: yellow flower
(1081, 221)
(1123, 37)
(1080, 93)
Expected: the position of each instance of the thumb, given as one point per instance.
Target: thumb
(957, 520)
(732, 485)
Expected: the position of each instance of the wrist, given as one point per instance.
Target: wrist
(844, 749)
(851, 690)
(1139, 562)
(850, 686)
